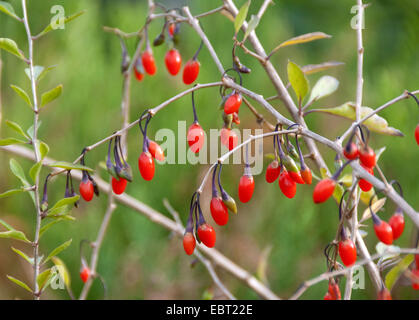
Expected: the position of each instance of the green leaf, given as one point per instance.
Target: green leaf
(69, 166)
(20, 283)
(22, 94)
(18, 172)
(17, 128)
(63, 271)
(241, 16)
(43, 148)
(47, 226)
(7, 8)
(23, 255)
(34, 171)
(43, 279)
(6, 225)
(9, 141)
(37, 70)
(11, 46)
(398, 270)
(14, 234)
(66, 20)
(298, 80)
(324, 87)
(313, 68)
(303, 39)
(58, 250)
(11, 192)
(253, 23)
(263, 265)
(51, 95)
(30, 130)
(59, 212)
(375, 123)
(66, 202)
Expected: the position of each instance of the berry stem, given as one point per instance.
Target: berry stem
(195, 56)
(214, 188)
(195, 116)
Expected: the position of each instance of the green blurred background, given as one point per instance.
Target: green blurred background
(140, 260)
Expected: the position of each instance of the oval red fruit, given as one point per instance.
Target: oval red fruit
(148, 62)
(232, 104)
(417, 134)
(296, 176)
(246, 188)
(173, 61)
(85, 274)
(196, 137)
(351, 151)
(347, 252)
(138, 74)
(118, 186)
(306, 175)
(172, 28)
(219, 211)
(146, 165)
(367, 157)
(190, 71)
(364, 184)
(327, 296)
(86, 190)
(334, 291)
(272, 172)
(396, 223)
(323, 190)
(417, 260)
(206, 234)
(155, 150)
(383, 232)
(287, 185)
(189, 243)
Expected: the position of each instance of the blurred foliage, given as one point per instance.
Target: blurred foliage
(140, 260)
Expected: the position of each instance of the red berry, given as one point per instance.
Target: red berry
(396, 223)
(383, 231)
(138, 73)
(173, 61)
(327, 296)
(172, 28)
(272, 171)
(323, 190)
(85, 274)
(196, 137)
(306, 175)
(229, 138)
(246, 188)
(334, 291)
(189, 243)
(149, 63)
(146, 165)
(155, 150)
(347, 252)
(415, 280)
(86, 189)
(417, 260)
(417, 134)
(384, 294)
(296, 176)
(232, 103)
(190, 71)
(206, 234)
(219, 211)
(367, 157)
(118, 186)
(287, 185)
(351, 151)
(364, 184)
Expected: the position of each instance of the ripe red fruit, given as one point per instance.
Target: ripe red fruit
(306, 175)
(351, 151)
(219, 211)
(189, 243)
(118, 186)
(155, 150)
(384, 294)
(173, 61)
(334, 291)
(296, 176)
(364, 184)
(246, 188)
(367, 157)
(229, 138)
(232, 104)
(417, 260)
(85, 274)
(396, 223)
(417, 134)
(86, 189)
(272, 171)
(327, 296)
(287, 185)
(138, 74)
(415, 281)
(146, 165)
(148, 62)
(383, 231)
(191, 71)
(347, 252)
(196, 137)
(323, 190)
(172, 28)
(206, 234)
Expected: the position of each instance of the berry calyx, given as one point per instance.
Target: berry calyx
(146, 165)
(148, 62)
(415, 279)
(219, 211)
(196, 137)
(396, 223)
(190, 71)
(86, 189)
(351, 151)
(272, 171)
(347, 252)
(296, 176)
(382, 230)
(206, 234)
(367, 157)
(246, 188)
(232, 104)
(306, 175)
(417, 134)
(189, 243)
(287, 184)
(324, 190)
(155, 150)
(85, 274)
(173, 61)
(118, 186)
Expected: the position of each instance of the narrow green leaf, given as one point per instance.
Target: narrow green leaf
(23, 255)
(17, 128)
(37, 70)
(45, 71)
(14, 234)
(7, 8)
(43, 278)
(241, 16)
(34, 171)
(20, 283)
(313, 68)
(394, 274)
(66, 20)
(30, 130)
(51, 95)
(43, 149)
(253, 23)
(66, 202)
(47, 226)
(324, 87)
(63, 271)
(22, 94)
(18, 172)
(298, 80)
(6, 225)
(68, 166)
(58, 250)
(11, 192)
(59, 212)
(303, 39)
(9, 141)
(11, 46)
